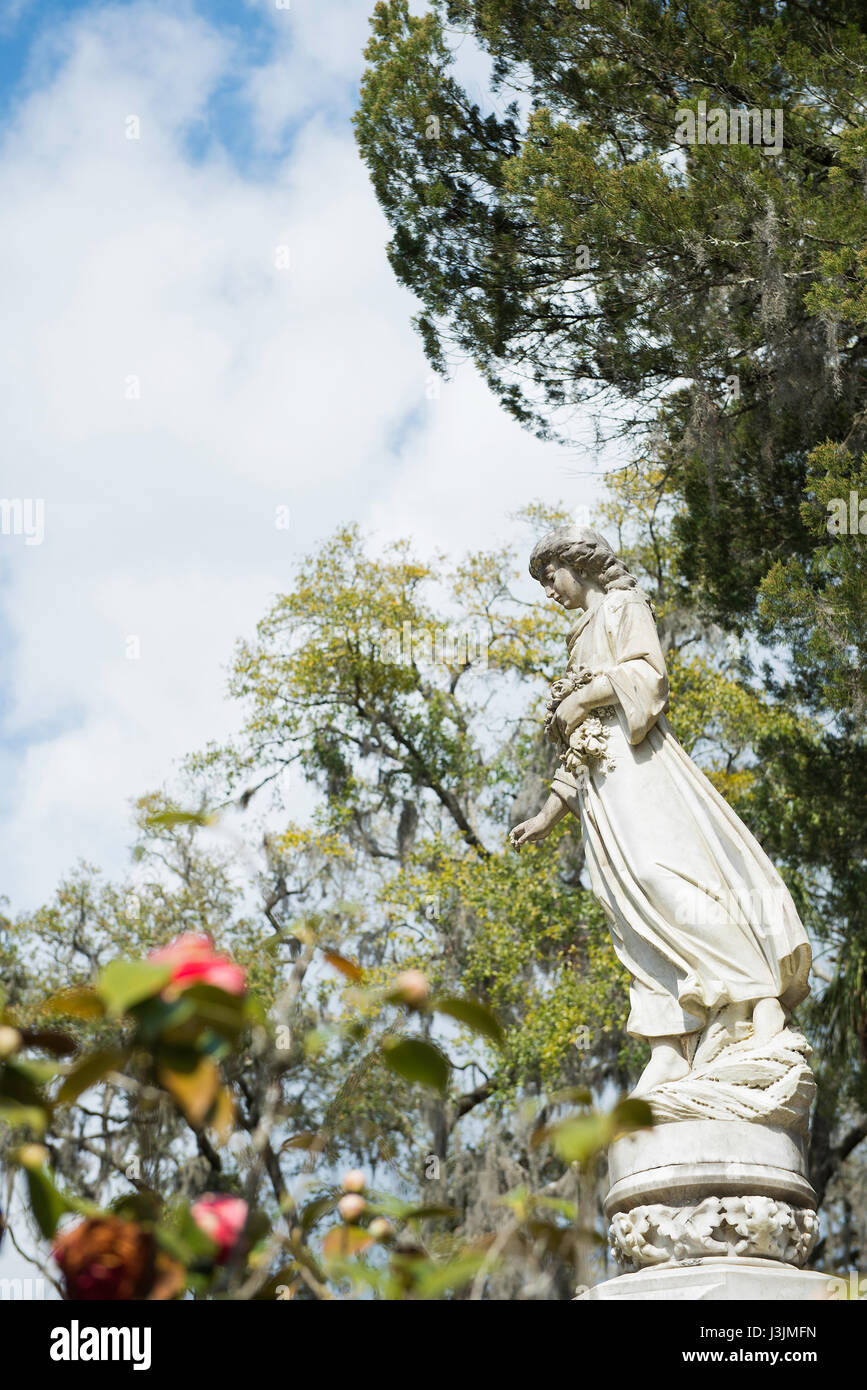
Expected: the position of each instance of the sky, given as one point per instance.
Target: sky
(200, 327)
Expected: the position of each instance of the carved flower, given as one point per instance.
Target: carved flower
(589, 744)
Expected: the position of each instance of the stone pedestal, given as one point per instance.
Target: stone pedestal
(711, 1209)
(719, 1280)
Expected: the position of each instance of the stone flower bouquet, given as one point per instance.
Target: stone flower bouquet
(588, 743)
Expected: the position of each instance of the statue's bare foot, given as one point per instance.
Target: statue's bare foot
(667, 1063)
(768, 1020)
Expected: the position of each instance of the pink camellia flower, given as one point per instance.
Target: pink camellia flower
(193, 962)
(222, 1219)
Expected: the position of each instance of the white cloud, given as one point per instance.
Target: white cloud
(259, 387)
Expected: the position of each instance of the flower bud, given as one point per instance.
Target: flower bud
(353, 1181)
(351, 1206)
(412, 986)
(32, 1155)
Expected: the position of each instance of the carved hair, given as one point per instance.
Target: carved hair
(584, 551)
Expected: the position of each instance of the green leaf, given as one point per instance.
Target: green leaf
(473, 1015)
(431, 1212)
(345, 1241)
(19, 1116)
(81, 1001)
(631, 1114)
(579, 1138)
(168, 819)
(124, 983)
(223, 1012)
(314, 1211)
(436, 1279)
(417, 1060)
(46, 1203)
(158, 1016)
(21, 1079)
(89, 1071)
(193, 1091)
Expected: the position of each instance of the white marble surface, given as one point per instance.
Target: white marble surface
(718, 1280)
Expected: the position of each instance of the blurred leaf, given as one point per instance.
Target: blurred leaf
(141, 1205)
(49, 1040)
(17, 1115)
(221, 1011)
(315, 1210)
(157, 1016)
(343, 1241)
(126, 982)
(81, 1001)
(631, 1114)
(573, 1095)
(21, 1080)
(432, 1280)
(559, 1204)
(223, 1118)
(168, 819)
(89, 1071)
(346, 967)
(194, 1091)
(417, 1060)
(430, 1212)
(46, 1203)
(577, 1139)
(474, 1015)
(33, 1070)
(306, 1139)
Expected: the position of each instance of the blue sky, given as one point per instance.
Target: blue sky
(165, 386)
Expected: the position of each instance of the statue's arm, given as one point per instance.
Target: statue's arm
(637, 673)
(529, 831)
(574, 709)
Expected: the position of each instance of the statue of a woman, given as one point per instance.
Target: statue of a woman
(698, 914)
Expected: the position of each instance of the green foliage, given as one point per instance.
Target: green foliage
(575, 251)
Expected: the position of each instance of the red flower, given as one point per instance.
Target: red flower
(221, 1218)
(193, 962)
(104, 1258)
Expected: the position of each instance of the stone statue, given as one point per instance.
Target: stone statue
(699, 916)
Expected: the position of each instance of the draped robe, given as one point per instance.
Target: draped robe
(698, 914)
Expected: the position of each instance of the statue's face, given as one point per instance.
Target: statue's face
(565, 586)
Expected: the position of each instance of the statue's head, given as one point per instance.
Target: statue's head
(586, 555)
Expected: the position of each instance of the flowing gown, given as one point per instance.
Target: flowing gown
(698, 914)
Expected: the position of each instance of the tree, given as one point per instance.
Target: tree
(573, 248)
(408, 695)
(614, 227)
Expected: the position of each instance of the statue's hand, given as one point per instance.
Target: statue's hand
(528, 832)
(570, 713)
